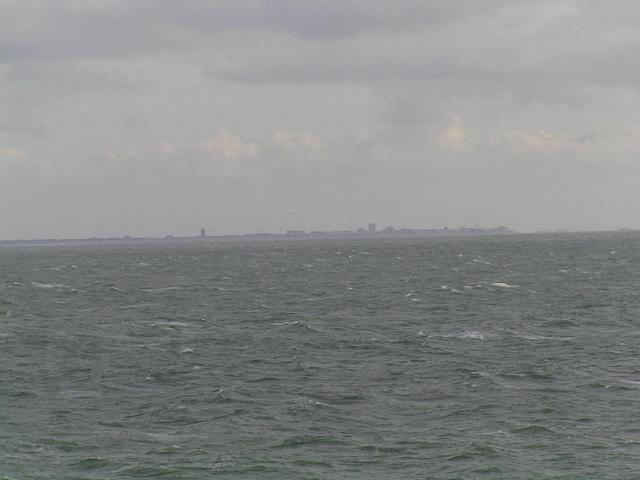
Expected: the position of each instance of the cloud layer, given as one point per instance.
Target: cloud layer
(155, 116)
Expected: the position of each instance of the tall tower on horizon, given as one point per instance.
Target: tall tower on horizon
(372, 228)
(202, 233)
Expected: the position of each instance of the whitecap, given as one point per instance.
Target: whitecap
(160, 290)
(171, 324)
(468, 334)
(279, 324)
(186, 350)
(502, 285)
(48, 285)
(473, 334)
(483, 262)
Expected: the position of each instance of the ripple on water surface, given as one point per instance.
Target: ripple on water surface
(417, 358)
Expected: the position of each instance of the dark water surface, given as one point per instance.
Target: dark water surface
(469, 358)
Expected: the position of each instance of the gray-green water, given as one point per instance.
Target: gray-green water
(408, 359)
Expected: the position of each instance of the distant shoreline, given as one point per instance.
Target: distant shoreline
(291, 235)
(298, 236)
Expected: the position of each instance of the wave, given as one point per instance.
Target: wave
(285, 324)
(309, 440)
(467, 334)
(473, 334)
(160, 290)
(49, 286)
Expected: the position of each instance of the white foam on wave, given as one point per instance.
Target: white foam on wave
(468, 334)
(480, 261)
(186, 350)
(630, 382)
(170, 324)
(534, 337)
(285, 324)
(527, 336)
(160, 290)
(502, 285)
(48, 286)
(474, 334)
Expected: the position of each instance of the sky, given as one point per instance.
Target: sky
(158, 117)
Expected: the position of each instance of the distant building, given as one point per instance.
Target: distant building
(296, 233)
(202, 233)
(388, 229)
(372, 228)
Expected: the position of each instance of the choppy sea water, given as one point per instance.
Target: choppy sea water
(513, 357)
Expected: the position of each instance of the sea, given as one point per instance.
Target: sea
(513, 357)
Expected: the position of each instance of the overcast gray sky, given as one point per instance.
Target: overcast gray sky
(160, 117)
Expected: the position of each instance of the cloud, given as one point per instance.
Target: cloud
(533, 140)
(116, 28)
(166, 147)
(453, 137)
(230, 146)
(8, 154)
(292, 141)
(309, 103)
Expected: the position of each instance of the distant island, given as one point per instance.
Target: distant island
(370, 232)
